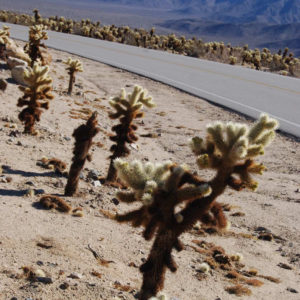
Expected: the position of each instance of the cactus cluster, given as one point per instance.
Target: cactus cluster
(229, 149)
(282, 62)
(36, 95)
(171, 198)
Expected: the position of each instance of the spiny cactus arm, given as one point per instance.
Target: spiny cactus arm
(264, 126)
(136, 217)
(145, 99)
(127, 197)
(22, 102)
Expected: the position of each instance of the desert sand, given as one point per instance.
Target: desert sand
(57, 243)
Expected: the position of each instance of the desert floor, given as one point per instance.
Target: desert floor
(57, 243)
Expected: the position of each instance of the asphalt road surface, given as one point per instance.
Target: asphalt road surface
(243, 90)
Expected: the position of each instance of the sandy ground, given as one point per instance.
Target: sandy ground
(177, 117)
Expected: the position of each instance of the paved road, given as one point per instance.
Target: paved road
(244, 90)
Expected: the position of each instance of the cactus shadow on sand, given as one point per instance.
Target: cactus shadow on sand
(10, 171)
(18, 193)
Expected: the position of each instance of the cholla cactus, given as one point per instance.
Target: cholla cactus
(83, 135)
(37, 16)
(37, 33)
(73, 67)
(161, 190)
(39, 88)
(127, 109)
(229, 149)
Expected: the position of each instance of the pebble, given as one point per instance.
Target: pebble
(75, 275)
(292, 290)
(97, 183)
(93, 174)
(45, 280)
(64, 286)
(115, 201)
(262, 229)
(67, 138)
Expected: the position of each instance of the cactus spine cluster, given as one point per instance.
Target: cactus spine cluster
(127, 108)
(229, 149)
(83, 135)
(73, 67)
(36, 96)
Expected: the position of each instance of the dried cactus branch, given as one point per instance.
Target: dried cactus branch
(83, 141)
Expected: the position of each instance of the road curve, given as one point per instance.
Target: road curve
(243, 90)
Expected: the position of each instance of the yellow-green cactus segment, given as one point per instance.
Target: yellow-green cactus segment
(74, 65)
(142, 178)
(38, 80)
(197, 145)
(135, 100)
(235, 141)
(37, 32)
(4, 35)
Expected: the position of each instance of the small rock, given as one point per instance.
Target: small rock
(13, 62)
(17, 74)
(45, 280)
(97, 183)
(292, 290)
(29, 183)
(75, 275)
(134, 146)
(67, 138)
(39, 263)
(115, 201)
(93, 174)
(262, 229)
(19, 143)
(64, 286)
(81, 176)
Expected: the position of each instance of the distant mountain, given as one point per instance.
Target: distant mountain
(254, 34)
(231, 11)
